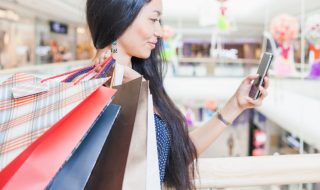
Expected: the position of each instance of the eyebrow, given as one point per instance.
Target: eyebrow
(159, 12)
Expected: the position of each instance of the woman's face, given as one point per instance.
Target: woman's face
(141, 36)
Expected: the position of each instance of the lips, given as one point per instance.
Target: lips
(152, 44)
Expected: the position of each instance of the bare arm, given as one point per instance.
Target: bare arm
(204, 136)
(210, 131)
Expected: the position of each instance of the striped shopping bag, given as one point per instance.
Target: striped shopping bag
(34, 110)
(37, 165)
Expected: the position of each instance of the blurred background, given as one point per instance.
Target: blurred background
(210, 45)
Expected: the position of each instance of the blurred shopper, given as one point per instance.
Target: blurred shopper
(230, 143)
(66, 54)
(54, 53)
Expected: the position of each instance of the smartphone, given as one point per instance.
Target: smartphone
(262, 71)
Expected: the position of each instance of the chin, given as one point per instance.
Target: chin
(144, 55)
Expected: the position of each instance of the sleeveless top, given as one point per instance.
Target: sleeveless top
(163, 144)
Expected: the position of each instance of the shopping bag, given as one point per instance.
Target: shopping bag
(110, 69)
(75, 172)
(37, 165)
(108, 172)
(153, 174)
(136, 166)
(89, 72)
(117, 75)
(142, 167)
(85, 73)
(24, 119)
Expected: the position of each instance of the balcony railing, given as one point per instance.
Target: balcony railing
(258, 171)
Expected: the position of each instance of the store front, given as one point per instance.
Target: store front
(16, 40)
(26, 40)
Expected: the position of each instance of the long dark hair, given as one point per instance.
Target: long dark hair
(108, 20)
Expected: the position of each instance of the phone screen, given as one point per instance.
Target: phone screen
(262, 71)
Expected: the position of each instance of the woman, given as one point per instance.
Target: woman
(132, 29)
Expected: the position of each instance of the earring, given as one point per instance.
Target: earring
(114, 47)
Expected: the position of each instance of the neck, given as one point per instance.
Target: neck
(122, 57)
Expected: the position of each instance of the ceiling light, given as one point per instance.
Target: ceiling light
(9, 15)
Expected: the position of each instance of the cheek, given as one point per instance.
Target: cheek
(136, 41)
(144, 31)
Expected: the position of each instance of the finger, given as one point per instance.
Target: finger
(101, 60)
(95, 59)
(107, 54)
(253, 102)
(100, 54)
(250, 78)
(266, 82)
(262, 91)
(97, 68)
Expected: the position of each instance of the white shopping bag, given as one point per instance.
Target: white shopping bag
(153, 176)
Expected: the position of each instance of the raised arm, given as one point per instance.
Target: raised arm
(205, 135)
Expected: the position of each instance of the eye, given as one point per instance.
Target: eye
(155, 20)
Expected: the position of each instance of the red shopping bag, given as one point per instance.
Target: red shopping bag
(34, 111)
(37, 165)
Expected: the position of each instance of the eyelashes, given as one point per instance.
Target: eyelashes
(155, 20)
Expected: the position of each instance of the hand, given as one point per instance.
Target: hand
(241, 97)
(101, 54)
(129, 73)
(241, 100)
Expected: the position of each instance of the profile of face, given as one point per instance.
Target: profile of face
(141, 37)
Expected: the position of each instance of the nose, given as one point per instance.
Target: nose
(158, 31)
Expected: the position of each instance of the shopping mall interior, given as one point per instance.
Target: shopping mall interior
(210, 46)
